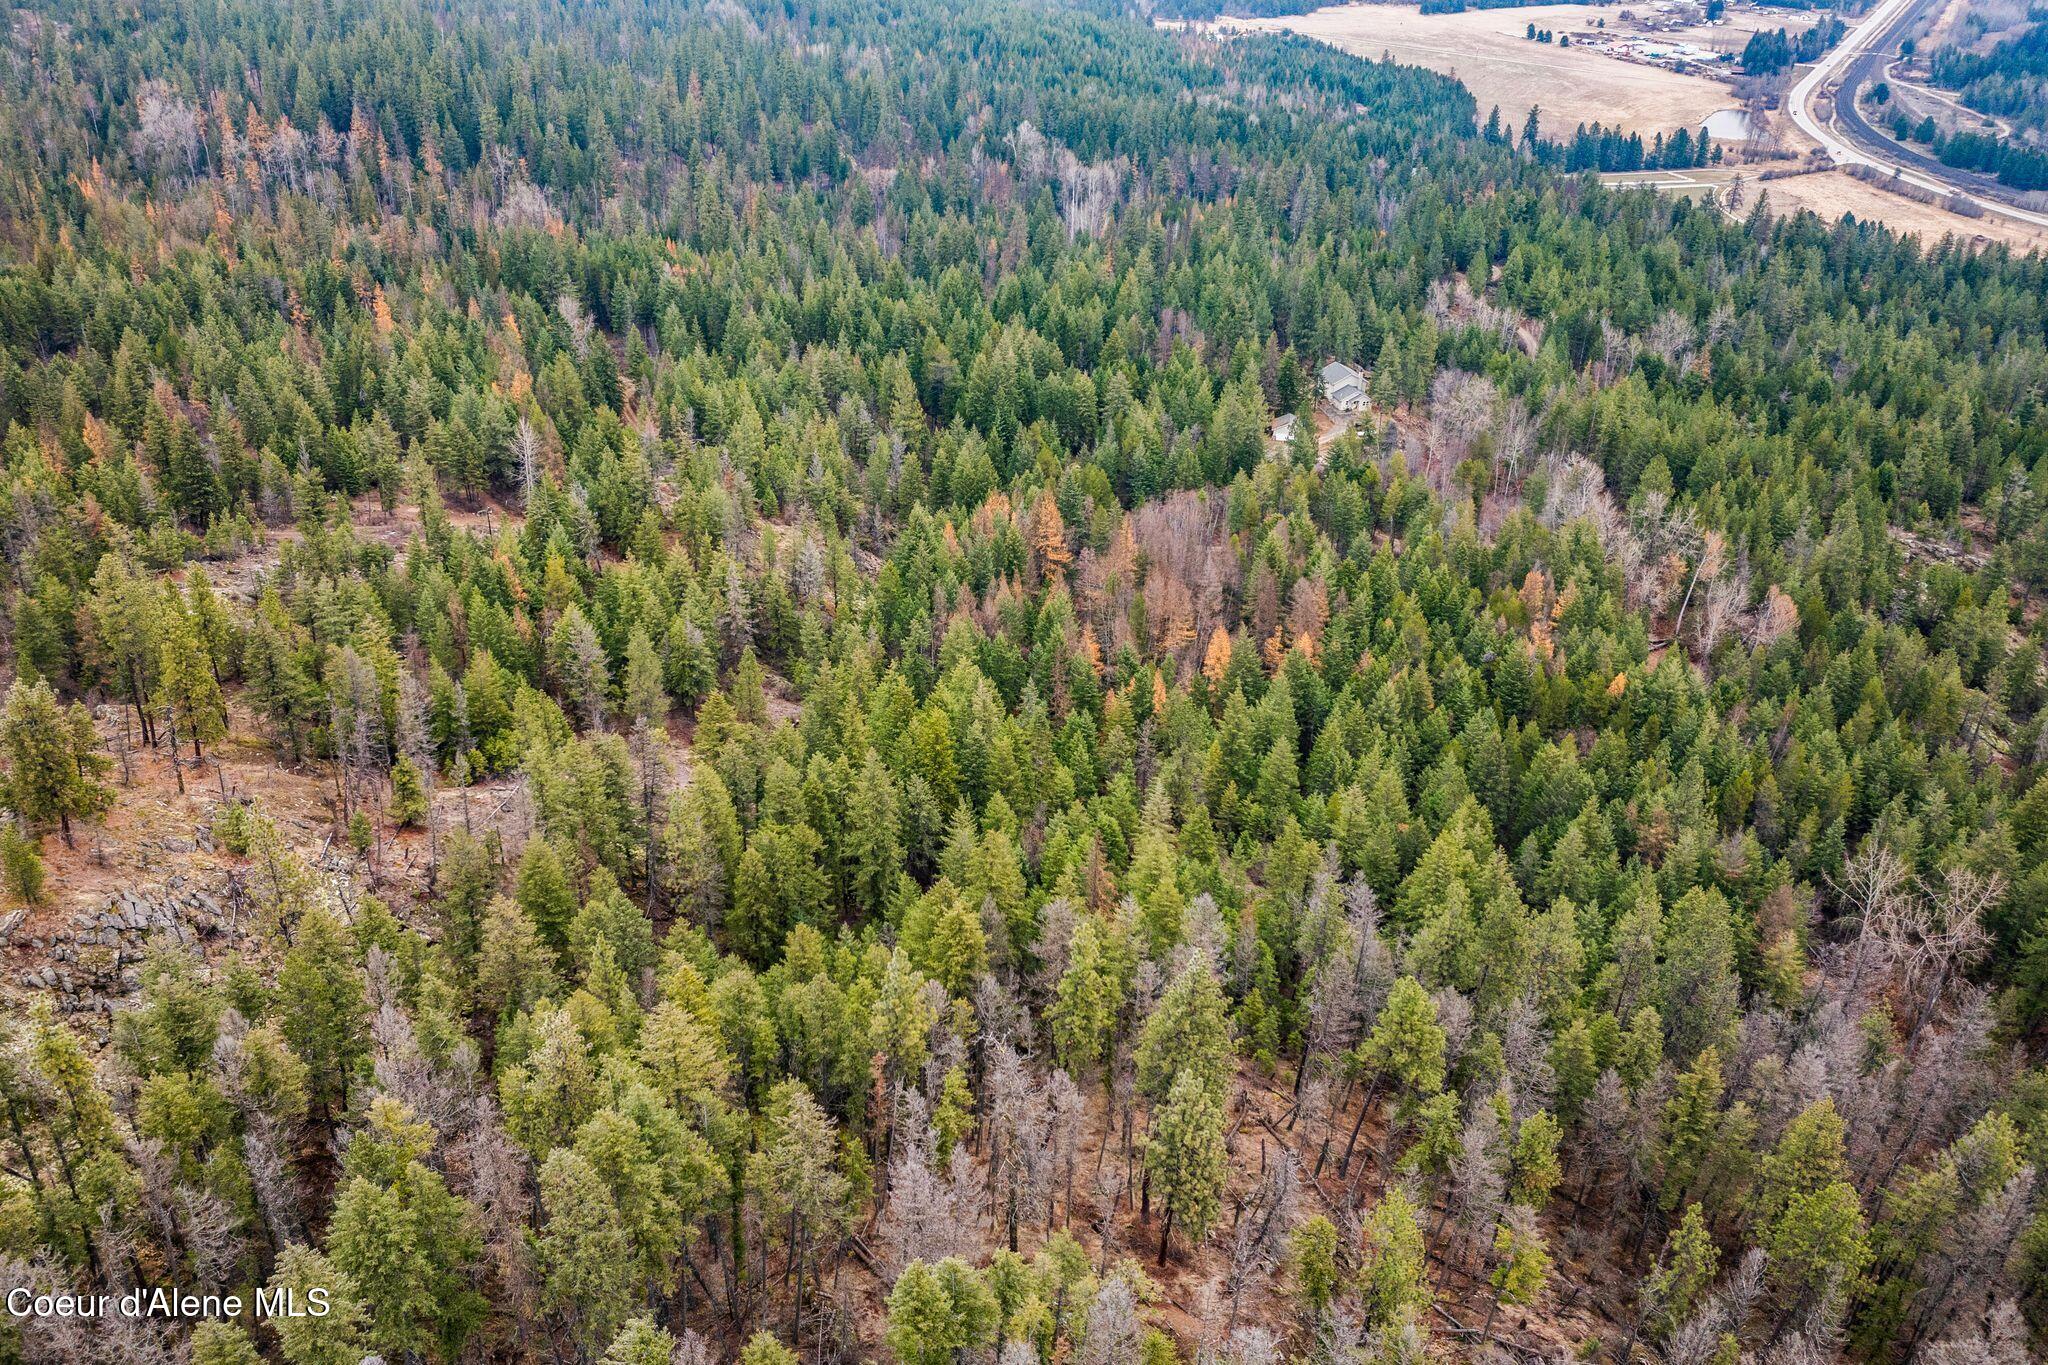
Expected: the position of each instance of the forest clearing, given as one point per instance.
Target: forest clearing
(1489, 52)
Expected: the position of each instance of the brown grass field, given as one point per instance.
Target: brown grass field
(1489, 52)
(1834, 193)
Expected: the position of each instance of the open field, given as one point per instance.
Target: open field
(1834, 193)
(1731, 34)
(1489, 52)
(1830, 194)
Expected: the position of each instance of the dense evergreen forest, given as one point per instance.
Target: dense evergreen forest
(2011, 82)
(865, 808)
(1770, 51)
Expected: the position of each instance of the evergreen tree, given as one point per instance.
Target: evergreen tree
(1683, 1274)
(1395, 1285)
(1188, 1031)
(640, 1342)
(22, 863)
(586, 1263)
(1313, 1255)
(1406, 1047)
(404, 1241)
(322, 1008)
(308, 1337)
(939, 1313)
(53, 761)
(189, 690)
(1185, 1155)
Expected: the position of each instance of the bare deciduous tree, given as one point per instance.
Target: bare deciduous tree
(1113, 1329)
(1697, 1340)
(924, 1219)
(1259, 1231)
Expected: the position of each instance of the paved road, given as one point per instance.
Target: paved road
(1864, 50)
(1868, 65)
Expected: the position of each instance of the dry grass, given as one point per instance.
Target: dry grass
(1830, 194)
(1489, 52)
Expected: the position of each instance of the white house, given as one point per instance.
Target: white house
(1283, 428)
(1343, 387)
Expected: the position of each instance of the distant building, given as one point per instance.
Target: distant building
(1283, 427)
(1343, 387)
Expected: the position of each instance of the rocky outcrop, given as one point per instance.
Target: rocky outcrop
(90, 966)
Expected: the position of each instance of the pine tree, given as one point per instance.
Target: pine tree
(1313, 1255)
(1691, 1126)
(1817, 1246)
(514, 967)
(188, 688)
(640, 1342)
(1087, 1000)
(408, 794)
(277, 682)
(310, 1337)
(1189, 1030)
(939, 1313)
(954, 949)
(1533, 1160)
(873, 841)
(22, 863)
(322, 1007)
(577, 664)
(542, 889)
(1808, 1157)
(1184, 1153)
(1395, 1281)
(218, 634)
(222, 1343)
(1683, 1274)
(798, 1175)
(699, 833)
(645, 697)
(661, 1174)
(122, 620)
(684, 1060)
(763, 1349)
(953, 1117)
(1521, 1264)
(404, 1241)
(587, 1265)
(1406, 1047)
(53, 764)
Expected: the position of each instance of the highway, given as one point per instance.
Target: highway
(1863, 51)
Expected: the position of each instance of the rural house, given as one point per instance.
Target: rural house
(1343, 387)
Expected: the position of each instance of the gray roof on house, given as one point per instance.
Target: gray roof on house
(1337, 373)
